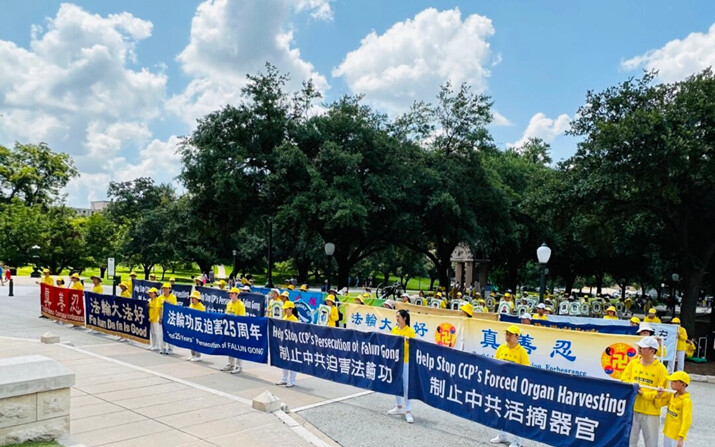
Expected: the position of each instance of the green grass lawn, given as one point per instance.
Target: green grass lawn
(36, 444)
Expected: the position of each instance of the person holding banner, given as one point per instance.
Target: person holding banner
(196, 304)
(511, 351)
(540, 312)
(288, 378)
(333, 316)
(635, 321)
(97, 284)
(75, 282)
(652, 316)
(646, 370)
(679, 416)
(168, 297)
(681, 346)
(124, 290)
(234, 307)
(47, 279)
(403, 329)
(156, 305)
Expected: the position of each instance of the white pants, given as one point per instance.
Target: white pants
(508, 437)
(403, 400)
(288, 376)
(669, 442)
(234, 362)
(649, 425)
(680, 360)
(155, 336)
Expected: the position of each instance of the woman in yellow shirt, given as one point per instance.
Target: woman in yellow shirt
(681, 346)
(47, 279)
(511, 351)
(196, 304)
(403, 329)
(234, 307)
(75, 283)
(288, 378)
(156, 305)
(97, 284)
(333, 316)
(610, 313)
(125, 293)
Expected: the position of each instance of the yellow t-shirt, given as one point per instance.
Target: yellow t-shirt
(609, 317)
(77, 286)
(651, 320)
(333, 316)
(197, 306)
(539, 317)
(679, 415)
(171, 299)
(517, 354)
(156, 305)
(98, 289)
(406, 332)
(682, 339)
(237, 308)
(652, 375)
(291, 318)
(126, 294)
(48, 280)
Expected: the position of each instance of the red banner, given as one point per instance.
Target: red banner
(66, 305)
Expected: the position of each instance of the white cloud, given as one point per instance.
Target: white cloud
(232, 39)
(76, 89)
(500, 120)
(413, 58)
(678, 59)
(540, 126)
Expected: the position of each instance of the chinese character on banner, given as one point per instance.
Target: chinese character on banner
(172, 318)
(560, 423)
(436, 387)
(95, 306)
(198, 324)
(563, 348)
(514, 411)
(242, 330)
(344, 365)
(115, 310)
(454, 393)
(319, 360)
(295, 356)
(106, 309)
(356, 319)
(492, 403)
(61, 303)
(74, 307)
(586, 429)
(208, 326)
(385, 374)
(218, 327)
(358, 369)
(128, 313)
(308, 358)
(139, 314)
(525, 341)
(370, 370)
(385, 324)
(420, 329)
(332, 363)
(473, 398)
(536, 417)
(490, 339)
(255, 331)
(370, 320)
(283, 353)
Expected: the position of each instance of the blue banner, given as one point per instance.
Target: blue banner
(553, 408)
(113, 315)
(216, 334)
(259, 290)
(306, 305)
(140, 288)
(367, 360)
(604, 329)
(255, 304)
(181, 292)
(214, 299)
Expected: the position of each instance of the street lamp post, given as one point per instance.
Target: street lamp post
(269, 283)
(36, 260)
(543, 254)
(674, 290)
(329, 251)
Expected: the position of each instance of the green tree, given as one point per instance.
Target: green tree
(648, 148)
(100, 238)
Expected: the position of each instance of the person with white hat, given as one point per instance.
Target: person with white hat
(648, 371)
(679, 416)
(540, 312)
(511, 351)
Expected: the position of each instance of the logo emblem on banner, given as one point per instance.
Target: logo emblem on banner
(616, 357)
(446, 335)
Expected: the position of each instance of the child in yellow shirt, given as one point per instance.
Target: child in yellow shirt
(680, 410)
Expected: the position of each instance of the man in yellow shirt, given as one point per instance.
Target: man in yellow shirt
(47, 279)
(511, 351)
(156, 305)
(540, 312)
(130, 282)
(652, 316)
(167, 297)
(97, 284)
(288, 378)
(679, 416)
(196, 304)
(222, 285)
(610, 313)
(234, 307)
(682, 345)
(333, 315)
(75, 283)
(646, 370)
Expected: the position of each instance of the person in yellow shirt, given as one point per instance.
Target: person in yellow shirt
(333, 315)
(507, 298)
(682, 345)
(303, 287)
(46, 278)
(403, 329)
(646, 370)
(652, 316)
(540, 312)
(75, 283)
(130, 282)
(222, 285)
(97, 284)
(156, 306)
(124, 290)
(234, 307)
(610, 313)
(511, 351)
(172, 281)
(288, 378)
(167, 297)
(635, 321)
(679, 416)
(196, 304)
(152, 277)
(467, 309)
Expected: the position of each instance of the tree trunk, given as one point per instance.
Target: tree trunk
(512, 276)
(147, 270)
(693, 279)
(599, 282)
(386, 278)
(102, 271)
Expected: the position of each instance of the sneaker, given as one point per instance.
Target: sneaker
(396, 410)
(236, 370)
(281, 383)
(409, 418)
(227, 368)
(190, 358)
(170, 351)
(195, 359)
(515, 444)
(499, 439)
(163, 353)
(153, 348)
(290, 385)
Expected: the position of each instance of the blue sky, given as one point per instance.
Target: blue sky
(116, 83)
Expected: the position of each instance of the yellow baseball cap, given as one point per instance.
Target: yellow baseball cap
(679, 375)
(289, 305)
(166, 285)
(153, 290)
(513, 329)
(675, 320)
(611, 309)
(636, 320)
(234, 290)
(222, 282)
(652, 310)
